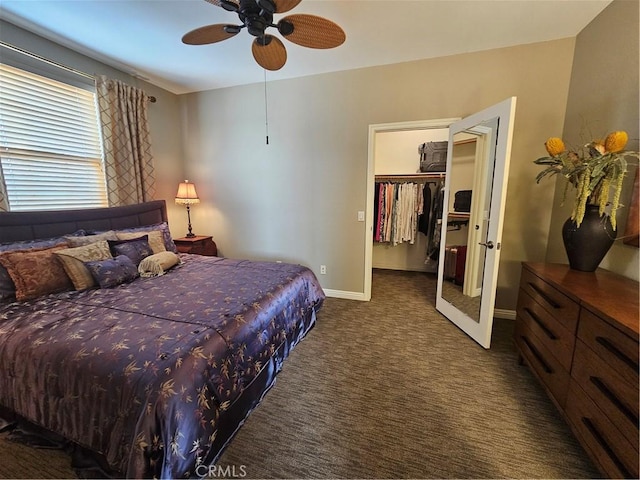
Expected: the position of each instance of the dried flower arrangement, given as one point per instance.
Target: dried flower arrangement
(597, 171)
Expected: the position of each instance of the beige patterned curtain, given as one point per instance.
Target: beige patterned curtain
(127, 147)
(4, 201)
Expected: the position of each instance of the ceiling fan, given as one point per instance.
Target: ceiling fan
(256, 16)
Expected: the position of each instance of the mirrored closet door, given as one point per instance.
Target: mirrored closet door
(478, 156)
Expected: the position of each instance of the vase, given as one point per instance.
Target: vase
(587, 244)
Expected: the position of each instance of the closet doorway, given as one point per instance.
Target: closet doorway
(410, 136)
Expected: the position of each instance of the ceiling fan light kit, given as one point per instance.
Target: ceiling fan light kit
(256, 16)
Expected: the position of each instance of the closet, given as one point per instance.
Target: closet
(405, 238)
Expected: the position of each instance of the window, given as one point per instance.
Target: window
(50, 146)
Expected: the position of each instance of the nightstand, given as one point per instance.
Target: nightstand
(199, 244)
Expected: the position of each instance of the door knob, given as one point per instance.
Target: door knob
(489, 244)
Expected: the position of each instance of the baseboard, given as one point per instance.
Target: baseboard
(505, 314)
(497, 313)
(344, 294)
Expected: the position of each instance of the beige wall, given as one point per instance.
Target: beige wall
(603, 97)
(296, 199)
(164, 116)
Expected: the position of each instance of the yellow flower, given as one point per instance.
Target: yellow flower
(555, 146)
(616, 141)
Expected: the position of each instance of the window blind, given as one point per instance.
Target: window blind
(50, 145)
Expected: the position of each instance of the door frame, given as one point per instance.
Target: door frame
(368, 230)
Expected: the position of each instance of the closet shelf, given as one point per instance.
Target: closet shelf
(411, 176)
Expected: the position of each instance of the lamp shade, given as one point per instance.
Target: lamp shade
(187, 194)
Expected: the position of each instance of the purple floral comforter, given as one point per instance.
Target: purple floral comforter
(156, 375)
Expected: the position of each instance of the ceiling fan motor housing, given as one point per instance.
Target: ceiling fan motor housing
(255, 17)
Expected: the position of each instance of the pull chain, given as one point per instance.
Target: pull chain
(266, 111)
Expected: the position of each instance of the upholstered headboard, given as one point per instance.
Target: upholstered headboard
(16, 226)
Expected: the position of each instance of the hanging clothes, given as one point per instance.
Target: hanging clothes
(396, 212)
(425, 217)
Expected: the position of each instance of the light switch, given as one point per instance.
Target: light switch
(360, 216)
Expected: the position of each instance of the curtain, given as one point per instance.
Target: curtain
(4, 201)
(129, 167)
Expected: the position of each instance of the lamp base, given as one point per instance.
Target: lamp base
(190, 234)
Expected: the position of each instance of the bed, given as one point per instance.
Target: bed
(154, 375)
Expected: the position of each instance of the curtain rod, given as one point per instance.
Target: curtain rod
(55, 64)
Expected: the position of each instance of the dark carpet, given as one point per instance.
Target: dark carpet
(387, 389)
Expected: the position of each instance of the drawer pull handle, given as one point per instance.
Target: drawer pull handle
(544, 328)
(616, 351)
(605, 446)
(544, 296)
(600, 385)
(537, 354)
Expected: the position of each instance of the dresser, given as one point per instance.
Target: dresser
(578, 333)
(199, 244)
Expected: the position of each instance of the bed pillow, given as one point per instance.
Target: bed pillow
(113, 271)
(36, 272)
(7, 288)
(156, 240)
(72, 260)
(157, 264)
(75, 241)
(135, 248)
(163, 227)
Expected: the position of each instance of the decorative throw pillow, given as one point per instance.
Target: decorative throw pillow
(112, 272)
(157, 264)
(156, 241)
(163, 227)
(35, 272)
(136, 248)
(88, 239)
(7, 288)
(72, 260)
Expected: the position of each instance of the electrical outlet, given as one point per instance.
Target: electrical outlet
(323, 269)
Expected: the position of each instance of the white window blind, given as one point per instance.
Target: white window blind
(50, 145)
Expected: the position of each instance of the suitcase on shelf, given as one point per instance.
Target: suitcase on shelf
(454, 259)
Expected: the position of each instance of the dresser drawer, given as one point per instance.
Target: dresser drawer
(616, 397)
(558, 305)
(551, 333)
(611, 451)
(614, 347)
(547, 368)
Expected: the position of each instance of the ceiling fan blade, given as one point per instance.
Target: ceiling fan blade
(311, 31)
(231, 5)
(271, 56)
(285, 5)
(210, 34)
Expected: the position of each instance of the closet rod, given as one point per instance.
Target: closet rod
(55, 64)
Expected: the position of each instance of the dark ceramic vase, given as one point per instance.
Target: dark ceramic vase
(587, 245)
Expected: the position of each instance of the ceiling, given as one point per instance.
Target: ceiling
(143, 37)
